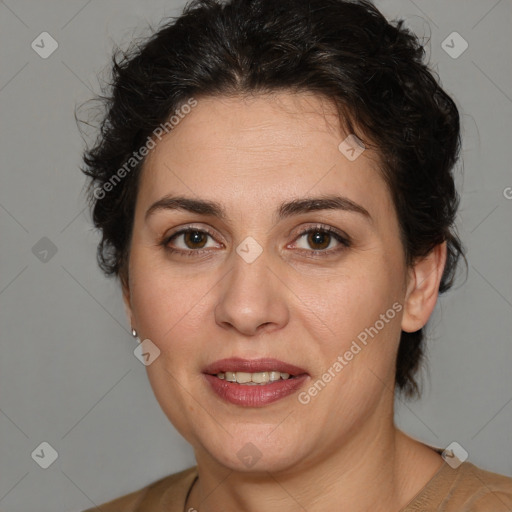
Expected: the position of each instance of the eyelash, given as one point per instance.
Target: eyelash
(325, 230)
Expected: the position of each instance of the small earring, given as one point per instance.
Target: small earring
(135, 335)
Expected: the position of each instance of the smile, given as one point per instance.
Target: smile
(253, 378)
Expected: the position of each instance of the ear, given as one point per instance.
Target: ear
(423, 288)
(127, 301)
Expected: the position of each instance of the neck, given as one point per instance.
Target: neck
(379, 469)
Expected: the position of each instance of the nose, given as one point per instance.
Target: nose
(252, 299)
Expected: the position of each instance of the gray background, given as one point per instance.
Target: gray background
(68, 375)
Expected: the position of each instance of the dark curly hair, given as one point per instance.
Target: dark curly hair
(346, 51)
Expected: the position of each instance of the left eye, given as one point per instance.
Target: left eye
(321, 239)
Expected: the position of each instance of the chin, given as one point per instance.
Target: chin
(255, 451)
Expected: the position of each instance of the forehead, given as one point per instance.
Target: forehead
(279, 123)
(268, 146)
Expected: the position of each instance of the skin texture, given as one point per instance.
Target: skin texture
(250, 154)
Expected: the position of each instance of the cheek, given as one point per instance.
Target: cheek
(362, 318)
(343, 304)
(168, 307)
(355, 316)
(167, 311)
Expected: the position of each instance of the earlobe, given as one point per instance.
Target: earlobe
(423, 288)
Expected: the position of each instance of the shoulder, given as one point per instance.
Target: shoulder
(159, 495)
(483, 490)
(467, 488)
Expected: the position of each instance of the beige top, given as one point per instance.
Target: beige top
(465, 489)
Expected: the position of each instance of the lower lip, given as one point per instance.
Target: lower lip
(255, 396)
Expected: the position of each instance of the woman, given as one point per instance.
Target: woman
(273, 184)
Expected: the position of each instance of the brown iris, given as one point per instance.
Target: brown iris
(319, 238)
(194, 239)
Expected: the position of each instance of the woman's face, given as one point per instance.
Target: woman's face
(250, 284)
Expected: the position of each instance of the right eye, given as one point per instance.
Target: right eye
(188, 241)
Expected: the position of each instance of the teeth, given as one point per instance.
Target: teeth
(243, 377)
(253, 378)
(274, 376)
(258, 377)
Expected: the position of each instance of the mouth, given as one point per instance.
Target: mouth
(254, 379)
(253, 371)
(255, 382)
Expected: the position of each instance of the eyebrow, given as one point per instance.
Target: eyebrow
(286, 209)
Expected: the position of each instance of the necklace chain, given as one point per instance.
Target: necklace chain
(185, 509)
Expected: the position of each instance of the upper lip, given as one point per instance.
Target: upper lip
(238, 364)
